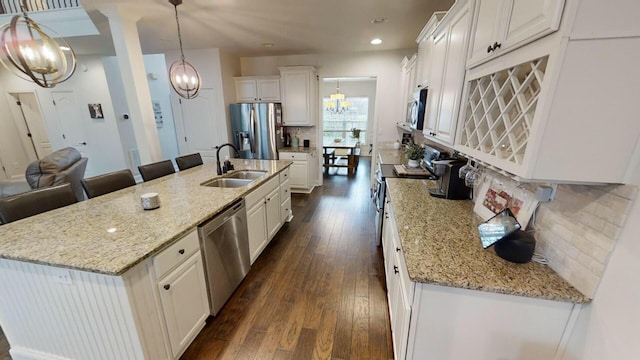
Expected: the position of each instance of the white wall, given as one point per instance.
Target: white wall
(608, 327)
(12, 155)
(89, 86)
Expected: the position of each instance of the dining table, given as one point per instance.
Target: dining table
(336, 149)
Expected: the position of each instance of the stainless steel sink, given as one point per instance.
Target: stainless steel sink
(246, 174)
(227, 182)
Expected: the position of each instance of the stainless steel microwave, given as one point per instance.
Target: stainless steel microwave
(416, 109)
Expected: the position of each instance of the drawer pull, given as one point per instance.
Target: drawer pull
(181, 251)
(167, 287)
(397, 249)
(395, 270)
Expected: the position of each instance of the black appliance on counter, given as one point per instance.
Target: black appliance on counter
(451, 186)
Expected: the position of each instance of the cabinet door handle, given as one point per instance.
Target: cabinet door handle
(395, 269)
(397, 249)
(489, 49)
(181, 251)
(167, 287)
(496, 45)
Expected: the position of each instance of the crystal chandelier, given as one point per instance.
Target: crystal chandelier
(32, 54)
(337, 104)
(184, 78)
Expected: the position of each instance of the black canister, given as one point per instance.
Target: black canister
(517, 247)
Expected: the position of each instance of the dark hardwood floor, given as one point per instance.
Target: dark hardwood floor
(316, 292)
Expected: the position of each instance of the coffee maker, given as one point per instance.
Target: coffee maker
(451, 186)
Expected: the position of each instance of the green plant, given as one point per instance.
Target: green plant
(414, 152)
(355, 133)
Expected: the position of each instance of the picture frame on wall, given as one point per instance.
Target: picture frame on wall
(95, 111)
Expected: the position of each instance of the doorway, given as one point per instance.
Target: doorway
(355, 120)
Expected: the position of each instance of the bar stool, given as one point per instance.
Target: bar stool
(188, 161)
(156, 170)
(106, 183)
(34, 202)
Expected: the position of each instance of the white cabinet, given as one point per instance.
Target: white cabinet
(285, 196)
(450, 46)
(301, 170)
(438, 322)
(399, 288)
(535, 114)
(184, 302)
(259, 220)
(257, 88)
(182, 289)
(265, 206)
(425, 43)
(504, 25)
(299, 95)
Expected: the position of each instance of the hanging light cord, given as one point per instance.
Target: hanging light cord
(175, 7)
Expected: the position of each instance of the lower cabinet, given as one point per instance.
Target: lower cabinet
(265, 212)
(302, 178)
(182, 289)
(440, 322)
(184, 302)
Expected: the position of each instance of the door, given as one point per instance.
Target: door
(486, 32)
(256, 223)
(30, 124)
(198, 126)
(530, 19)
(435, 89)
(273, 212)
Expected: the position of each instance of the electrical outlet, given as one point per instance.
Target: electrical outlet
(62, 276)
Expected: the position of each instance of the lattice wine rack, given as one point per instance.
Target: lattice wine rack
(500, 110)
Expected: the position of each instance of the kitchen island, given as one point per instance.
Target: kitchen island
(84, 281)
(451, 299)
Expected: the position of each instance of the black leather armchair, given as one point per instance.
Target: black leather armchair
(62, 166)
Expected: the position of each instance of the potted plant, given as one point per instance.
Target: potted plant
(414, 153)
(355, 133)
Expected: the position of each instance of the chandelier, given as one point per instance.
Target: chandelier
(32, 54)
(337, 104)
(184, 78)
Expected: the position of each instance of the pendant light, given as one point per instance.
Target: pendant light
(184, 78)
(33, 54)
(337, 104)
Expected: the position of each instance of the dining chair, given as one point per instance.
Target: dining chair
(156, 170)
(188, 161)
(106, 183)
(36, 201)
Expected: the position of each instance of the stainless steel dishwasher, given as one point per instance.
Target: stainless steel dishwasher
(225, 248)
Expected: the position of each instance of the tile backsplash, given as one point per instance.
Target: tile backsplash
(577, 231)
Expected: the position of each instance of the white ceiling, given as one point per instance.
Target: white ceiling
(242, 26)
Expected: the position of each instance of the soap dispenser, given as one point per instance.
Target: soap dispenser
(295, 141)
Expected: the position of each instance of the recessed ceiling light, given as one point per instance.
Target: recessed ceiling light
(376, 41)
(379, 20)
(268, 45)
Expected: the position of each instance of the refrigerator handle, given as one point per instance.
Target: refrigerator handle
(252, 130)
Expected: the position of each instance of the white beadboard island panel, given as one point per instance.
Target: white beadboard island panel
(71, 314)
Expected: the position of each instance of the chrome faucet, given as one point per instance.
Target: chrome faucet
(220, 172)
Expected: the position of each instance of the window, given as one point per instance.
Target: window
(340, 125)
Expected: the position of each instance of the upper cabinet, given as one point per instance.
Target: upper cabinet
(257, 88)
(557, 109)
(425, 43)
(504, 25)
(299, 95)
(448, 55)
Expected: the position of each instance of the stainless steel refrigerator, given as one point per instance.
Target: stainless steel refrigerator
(257, 130)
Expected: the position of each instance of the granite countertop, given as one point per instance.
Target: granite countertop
(298, 149)
(391, 156)
(441, 246)
(112, 233)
